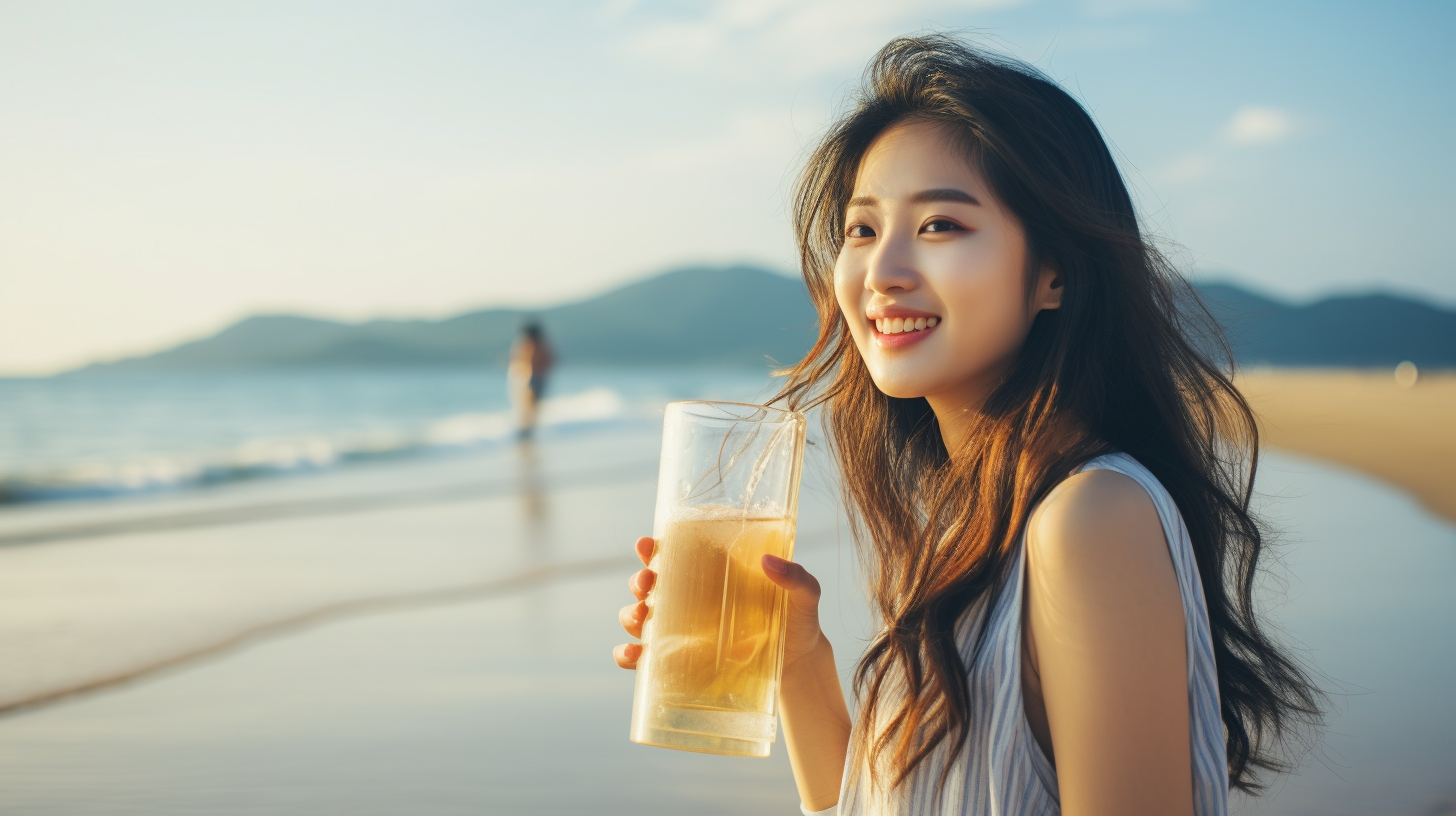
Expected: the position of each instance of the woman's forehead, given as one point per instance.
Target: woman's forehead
(914, 156)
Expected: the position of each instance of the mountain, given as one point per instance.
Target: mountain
(746, 316)
(702, 315)
(1354, 331)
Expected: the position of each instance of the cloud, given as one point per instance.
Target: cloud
(1256, 125)
(799, 37)
(1250, 126)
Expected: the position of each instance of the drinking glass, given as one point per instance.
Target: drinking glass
(713, 641)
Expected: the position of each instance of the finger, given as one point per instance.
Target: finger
(626, 654)
(792, 577)
(641, 583)
(632, 616)
(645, 546)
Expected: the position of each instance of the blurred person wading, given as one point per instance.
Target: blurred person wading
(531, 362)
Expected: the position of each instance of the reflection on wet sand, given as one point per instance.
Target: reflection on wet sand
(535, 537)
(535, 511)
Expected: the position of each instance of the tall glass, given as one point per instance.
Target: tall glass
(713, 642)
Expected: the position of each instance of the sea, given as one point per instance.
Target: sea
(88, 436)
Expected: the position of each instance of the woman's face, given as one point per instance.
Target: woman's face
(932, 275)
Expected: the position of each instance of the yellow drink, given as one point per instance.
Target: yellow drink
(713, 641)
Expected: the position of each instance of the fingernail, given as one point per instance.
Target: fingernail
(776, 565)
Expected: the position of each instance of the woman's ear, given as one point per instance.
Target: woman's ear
(1049, 288)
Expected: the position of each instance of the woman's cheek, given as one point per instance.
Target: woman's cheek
(847, 290)
(994, 338)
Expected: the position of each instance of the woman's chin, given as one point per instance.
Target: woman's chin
(900, 387)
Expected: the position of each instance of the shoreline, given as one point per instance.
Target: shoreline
(1364, 420)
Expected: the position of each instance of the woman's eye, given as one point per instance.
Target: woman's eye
(941, 225)
(860, 231)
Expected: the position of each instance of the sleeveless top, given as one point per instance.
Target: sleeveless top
(1003, 771)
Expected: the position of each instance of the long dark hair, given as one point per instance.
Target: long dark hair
(1130, 362)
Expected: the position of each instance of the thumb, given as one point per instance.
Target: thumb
(791, 577)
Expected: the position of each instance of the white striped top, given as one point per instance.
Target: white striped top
(1003, 771)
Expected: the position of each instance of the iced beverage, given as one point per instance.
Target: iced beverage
(713, 640)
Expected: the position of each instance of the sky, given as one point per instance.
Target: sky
(167, 168)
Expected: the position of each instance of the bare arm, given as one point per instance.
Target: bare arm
(811, 701)
(1105, 632)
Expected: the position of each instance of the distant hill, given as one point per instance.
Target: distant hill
(1353, 331)
(746, 316)
(703, 315)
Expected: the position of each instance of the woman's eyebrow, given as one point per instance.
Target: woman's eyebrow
(922, 197)
(946, 194)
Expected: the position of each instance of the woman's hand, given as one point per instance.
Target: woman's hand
(634, 614)
(811, 702)
(802, 634)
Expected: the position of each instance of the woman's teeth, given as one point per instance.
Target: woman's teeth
(898, 325)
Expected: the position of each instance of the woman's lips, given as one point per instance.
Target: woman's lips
(902, 339)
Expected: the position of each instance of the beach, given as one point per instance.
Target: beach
(433, 635)
(328, 425)
(446, 651)
(1364, 419)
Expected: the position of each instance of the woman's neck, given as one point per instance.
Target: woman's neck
(957, 410)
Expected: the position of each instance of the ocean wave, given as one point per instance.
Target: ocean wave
(584, 411)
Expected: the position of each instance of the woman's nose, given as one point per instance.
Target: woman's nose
(891, 269)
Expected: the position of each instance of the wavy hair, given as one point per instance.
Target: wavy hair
(1131, 361)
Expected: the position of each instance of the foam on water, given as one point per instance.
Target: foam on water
(112, 435)
(272, 456)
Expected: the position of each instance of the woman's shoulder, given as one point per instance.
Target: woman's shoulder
(1100, 513)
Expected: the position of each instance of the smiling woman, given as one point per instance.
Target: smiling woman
(1050, 480)
(1051, 483)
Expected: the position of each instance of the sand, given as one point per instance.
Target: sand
(1405, 436)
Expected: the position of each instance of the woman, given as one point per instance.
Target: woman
(531, 361)
(1050, 478)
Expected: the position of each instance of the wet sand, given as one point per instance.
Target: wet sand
(1406, 436)
(100, 593)
(451, 654)
(445, 655)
